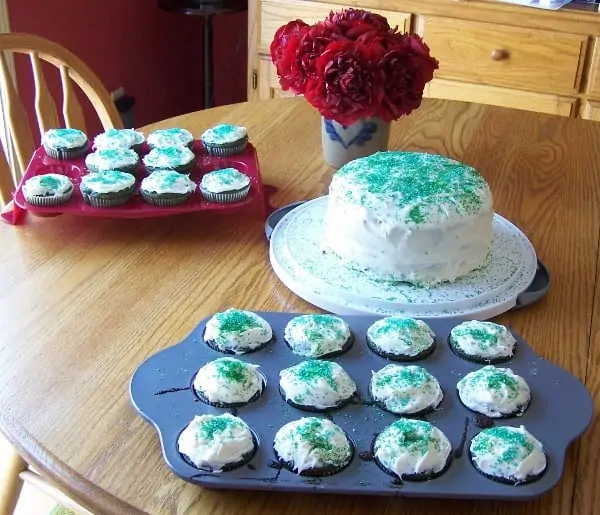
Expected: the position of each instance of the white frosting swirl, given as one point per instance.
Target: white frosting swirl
(237, 331)
(170, 138)
(310, 443)
(168, 157)
(228, 381)
(109, 181)
(508, 453)
(495, 392)
(168, 181)
(485, 340)
(48, 184)
(111, 158)
(409, 447)
(316, 383)
(401, 336)
(212, 442)
(118, 138)
(224, 134)
(226, 179)
(64, 138)
(405, 389)
(316, 335)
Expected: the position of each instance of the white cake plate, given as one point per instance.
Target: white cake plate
(319, 277)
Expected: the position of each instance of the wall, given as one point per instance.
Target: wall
(155, 55)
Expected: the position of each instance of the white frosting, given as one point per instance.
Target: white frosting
(223, 134)
(495, 392)
(485, 340)
(508, 452)
(227, 179)
(112, 158)
(118, 138)
(109, 181)
(312, 442)
(168, 181)
(316, 335)
(212, 442)
(237, 331)
(405, 389)
(64, 138)
(170, 138)
(401, 336)
(409, 447)
(407, 216)
(168, 157)
(48, 184)
(228, 381)
(315, 383)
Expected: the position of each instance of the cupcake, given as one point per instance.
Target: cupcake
(318, 336)
(405, 390)
(401, 339)
(316, 386)
(312, 447)
(224, 186)
(119, 138)
(65, 143)
(107, 189)
(217, 443)
(166, 188)
(236, 331)
(46, 190)
(509, 455)
(482, 342)
(494, 392)
(225, 140)
(119, 159)
(228, 383)
(170, 138)
(179, 159)
(412, 450)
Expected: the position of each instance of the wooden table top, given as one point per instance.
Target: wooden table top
(84, 301)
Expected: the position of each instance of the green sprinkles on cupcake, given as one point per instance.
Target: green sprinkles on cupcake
(236, 331)
(400, 338)
(316, 336)
(179, 159)
(225, 140)
(167, 188)
(107, 189)
(482, 342)
(121, 159)
(172, 137)
(47, 190)
(225, 185)
(65, 143)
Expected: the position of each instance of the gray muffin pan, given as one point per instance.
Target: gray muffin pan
(560, 410)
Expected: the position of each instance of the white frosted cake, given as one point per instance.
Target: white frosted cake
(408, 216)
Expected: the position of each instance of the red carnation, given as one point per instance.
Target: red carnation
(355, 22)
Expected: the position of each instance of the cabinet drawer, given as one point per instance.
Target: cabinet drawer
(501, 55)
(268, 84)
(590, 110)
(275, 13)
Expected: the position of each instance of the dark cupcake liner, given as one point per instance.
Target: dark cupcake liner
(164, 199)
(424, 476)
(328, 470)
(49, 200)
(507, 480)
(478, 359)
(424, 411)
(313, 409)
(227, 150)
(516, 413)
(132, 169)
(240, 350)
(347, 344)
(189, 145)
(182, 169)
(200, 395)
(225, 197)
(400, 357)
(229, 466)
(104, 200)
(66, 153)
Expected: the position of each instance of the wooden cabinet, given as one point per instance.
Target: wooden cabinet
(591, 111)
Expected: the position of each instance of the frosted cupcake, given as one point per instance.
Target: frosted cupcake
(225, 140)
(509, 455)
(179, 159)
(107, 189)
(47, 190)
(494, 392)
(236, 331)
(217, 443)
(228, 383)
(312, 447)
(412, 450)
(65, 143)
(405, 390)
(225, 186)
(401, 339)
(318, 336)
(482, 342)
(119, 138)
(166, 188)
(174, 137)
(119, 159)
(316, 386)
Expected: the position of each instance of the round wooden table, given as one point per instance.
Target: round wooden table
(83, 301)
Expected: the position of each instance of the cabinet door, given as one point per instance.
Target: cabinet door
(590, 111)
(593, 89)
(268, 83)
(503, 97)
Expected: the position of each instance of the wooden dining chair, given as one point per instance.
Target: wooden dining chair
(71, 69)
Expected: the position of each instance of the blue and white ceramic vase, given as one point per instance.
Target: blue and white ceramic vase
(343, 143)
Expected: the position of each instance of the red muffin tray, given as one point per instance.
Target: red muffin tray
(40, 163)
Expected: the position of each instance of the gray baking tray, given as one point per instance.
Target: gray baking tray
(560, 410)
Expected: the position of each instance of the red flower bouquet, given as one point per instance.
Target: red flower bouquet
(353, 65)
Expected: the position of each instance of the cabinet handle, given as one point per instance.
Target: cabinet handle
(498, 54)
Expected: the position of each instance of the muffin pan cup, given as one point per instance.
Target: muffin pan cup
(560, 410)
